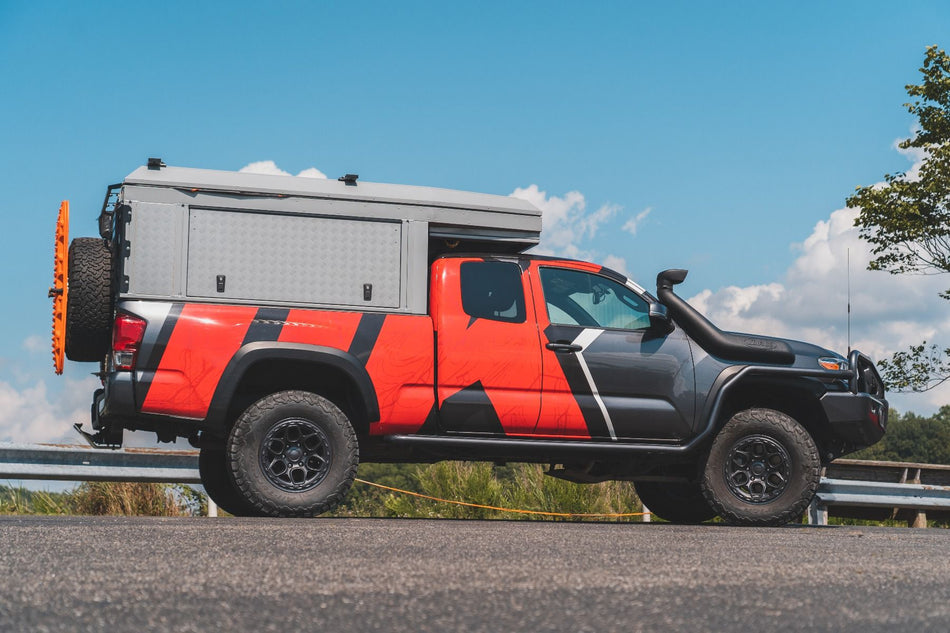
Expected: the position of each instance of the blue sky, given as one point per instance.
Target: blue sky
(734, 131)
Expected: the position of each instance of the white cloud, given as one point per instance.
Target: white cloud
(312, 172)
(270, 168)
(562, 220)
(36, 343)
(567, 229)
(915, 155)
(810, 302)
(264, 167)
(615, 262)
(30, 414)
(631, 225)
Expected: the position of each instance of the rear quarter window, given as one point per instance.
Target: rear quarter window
(493, 290)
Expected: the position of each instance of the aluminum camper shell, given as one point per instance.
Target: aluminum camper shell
(234, 237)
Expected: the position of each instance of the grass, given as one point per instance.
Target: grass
(520, 486)
(106, 498)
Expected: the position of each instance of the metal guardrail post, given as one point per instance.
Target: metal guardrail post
(817, 513)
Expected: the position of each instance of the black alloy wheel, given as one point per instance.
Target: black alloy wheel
(296, 455)
(293, 454)
(763, 468)
(757, 469)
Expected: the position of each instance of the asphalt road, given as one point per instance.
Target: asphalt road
(200, 574)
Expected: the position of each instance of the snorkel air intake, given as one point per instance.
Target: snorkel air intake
(725, 345)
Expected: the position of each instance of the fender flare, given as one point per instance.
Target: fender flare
(253, 353)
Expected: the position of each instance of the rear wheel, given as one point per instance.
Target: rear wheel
(90, 299)
(676, 502)
(216, 479)
(293, 453)
(762, 469)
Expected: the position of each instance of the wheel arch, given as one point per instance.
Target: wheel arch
(796, 397)
(265, 367)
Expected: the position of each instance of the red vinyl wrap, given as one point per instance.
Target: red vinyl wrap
(206, 337)
(320, 327)
(401, 366)
(204, 340)
(502, 356)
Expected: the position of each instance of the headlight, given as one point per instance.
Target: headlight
(834, 364)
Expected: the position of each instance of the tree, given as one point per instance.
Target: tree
(906, 219)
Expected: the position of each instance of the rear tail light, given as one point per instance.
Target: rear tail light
(127, 336)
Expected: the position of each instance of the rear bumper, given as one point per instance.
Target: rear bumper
(115, 401)
(115, 408)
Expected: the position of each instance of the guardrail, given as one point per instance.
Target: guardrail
(58, 462)
(81, 463)
(861, 489)
(848, 488)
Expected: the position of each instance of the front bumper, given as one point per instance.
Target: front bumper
(859, 415)
(859, 419)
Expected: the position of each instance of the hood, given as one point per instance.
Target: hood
(800, 348)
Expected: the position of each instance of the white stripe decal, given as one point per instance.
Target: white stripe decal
(585, 339)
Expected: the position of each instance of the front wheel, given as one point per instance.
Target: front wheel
(293, 454)
(763, 468)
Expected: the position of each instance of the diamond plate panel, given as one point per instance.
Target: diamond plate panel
(270, 257)
(155, 235)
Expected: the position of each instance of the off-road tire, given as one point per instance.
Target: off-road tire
(257, 432)
(761, 441)
(89, 310)
(215, 474)
(676, 502)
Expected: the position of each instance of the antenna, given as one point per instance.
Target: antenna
(849, 302)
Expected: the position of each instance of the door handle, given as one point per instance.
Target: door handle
(564, 348)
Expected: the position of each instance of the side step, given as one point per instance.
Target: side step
(502, 446)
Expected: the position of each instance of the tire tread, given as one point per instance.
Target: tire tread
(89, 308)
(239, 439)
(811, 469)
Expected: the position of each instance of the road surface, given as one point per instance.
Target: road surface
(202, 574)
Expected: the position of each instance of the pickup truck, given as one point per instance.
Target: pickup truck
(496, 355)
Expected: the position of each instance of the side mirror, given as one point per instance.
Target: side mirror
(658, 313)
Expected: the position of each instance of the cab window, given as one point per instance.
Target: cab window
(574, 297)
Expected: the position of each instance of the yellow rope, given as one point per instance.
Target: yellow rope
(475, 505)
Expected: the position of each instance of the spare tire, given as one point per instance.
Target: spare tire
(90, 300)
